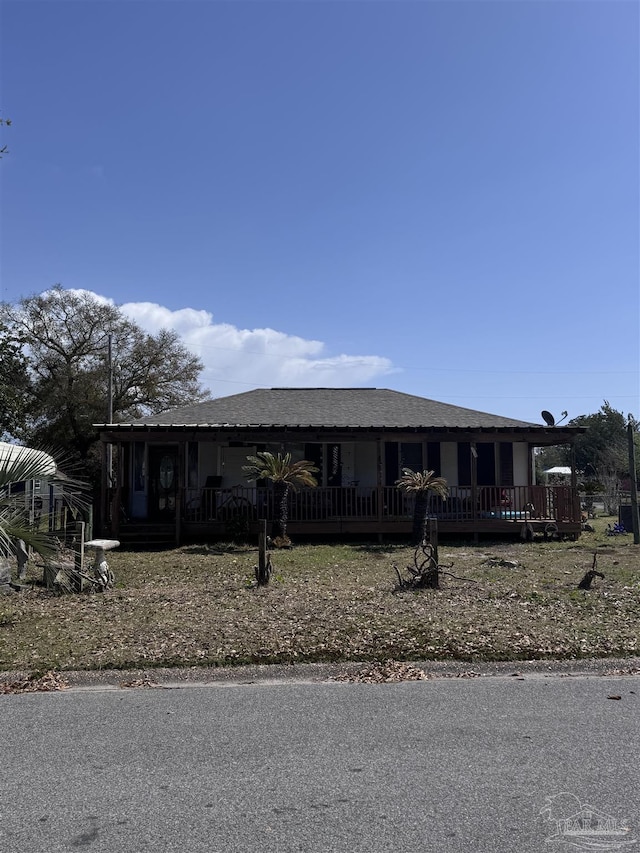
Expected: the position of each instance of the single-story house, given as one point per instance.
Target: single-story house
(179, 474)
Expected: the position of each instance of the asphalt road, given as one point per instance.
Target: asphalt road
(440, 765)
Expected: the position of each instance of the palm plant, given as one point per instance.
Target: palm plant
(286, 476)
(421, 484)
(18, 465)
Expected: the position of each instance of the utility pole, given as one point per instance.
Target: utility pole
(110, 409)
(634, 484)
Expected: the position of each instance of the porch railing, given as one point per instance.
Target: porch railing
(556, 503)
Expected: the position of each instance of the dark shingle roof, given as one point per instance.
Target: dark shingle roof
(328, 407)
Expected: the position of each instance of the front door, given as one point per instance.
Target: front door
(163, 482)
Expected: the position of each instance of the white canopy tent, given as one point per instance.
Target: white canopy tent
(559, 474)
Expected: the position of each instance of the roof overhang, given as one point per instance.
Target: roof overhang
(538, 436)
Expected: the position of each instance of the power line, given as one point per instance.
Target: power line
(429, 368)
(459, 396)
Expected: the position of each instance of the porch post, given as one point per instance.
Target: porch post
(634, 485)
(103, 487)
(574, 486)
(474, 489)
(379, 487)
(116, 492)
(182, 457)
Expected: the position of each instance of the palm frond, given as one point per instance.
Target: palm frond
(15, 525)
(422, 481)
(19, 465)
(280, 469)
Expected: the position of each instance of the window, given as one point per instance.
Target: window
(506, 463)
(411, 456)
(313, 453)
(464, 463)
(433, 458)
(399, 455)
(391, 462)
(486, 463)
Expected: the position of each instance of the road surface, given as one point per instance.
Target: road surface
(484, 764)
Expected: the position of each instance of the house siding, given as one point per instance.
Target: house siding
(521, 465)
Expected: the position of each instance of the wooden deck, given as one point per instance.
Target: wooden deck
(370, 512)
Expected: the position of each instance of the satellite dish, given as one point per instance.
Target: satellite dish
(548, 418)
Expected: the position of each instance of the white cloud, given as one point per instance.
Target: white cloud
(237, 360)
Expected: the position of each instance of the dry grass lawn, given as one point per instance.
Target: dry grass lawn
(198, 605)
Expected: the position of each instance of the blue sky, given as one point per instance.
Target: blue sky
(436, 197)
